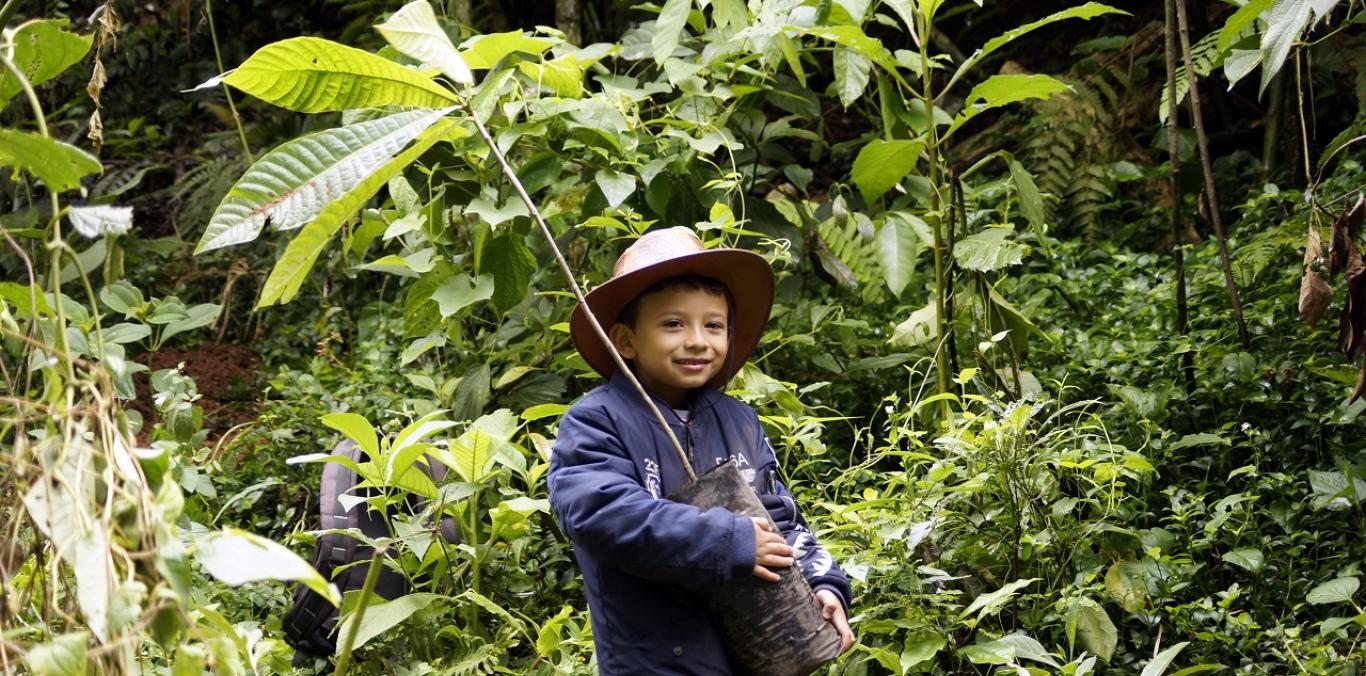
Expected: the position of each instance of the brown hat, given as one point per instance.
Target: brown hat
(672, 252)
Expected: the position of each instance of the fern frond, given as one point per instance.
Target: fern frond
(858, 253)
(1205, 57)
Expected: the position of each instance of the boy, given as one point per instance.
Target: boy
(686, 319)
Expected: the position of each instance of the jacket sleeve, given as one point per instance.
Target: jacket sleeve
(816, 564)
(605, 510)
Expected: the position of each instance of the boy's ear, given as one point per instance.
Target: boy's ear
(622, 337)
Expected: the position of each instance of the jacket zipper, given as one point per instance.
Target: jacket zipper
(687, 443)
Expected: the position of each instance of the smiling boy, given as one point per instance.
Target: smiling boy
(686, 318)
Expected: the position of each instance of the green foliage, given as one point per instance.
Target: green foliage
(1070, 502)
(43, 49)
(56, 164)
(312, 75)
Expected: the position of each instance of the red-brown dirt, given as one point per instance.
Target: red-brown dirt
(226, 378)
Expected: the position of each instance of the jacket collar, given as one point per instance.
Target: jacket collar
(703, 398)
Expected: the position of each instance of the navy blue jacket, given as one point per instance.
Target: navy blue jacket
(643, 555)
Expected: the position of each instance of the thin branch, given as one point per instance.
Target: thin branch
(1173, 152)
(1206, 165)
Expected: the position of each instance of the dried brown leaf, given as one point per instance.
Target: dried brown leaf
(1345, 256)
(1342, 246)
(1315, 294)
(1361, 386)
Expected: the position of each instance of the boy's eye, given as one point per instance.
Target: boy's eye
(716, 326)
(672, 323)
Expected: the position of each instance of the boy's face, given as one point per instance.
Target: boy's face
(679, 341)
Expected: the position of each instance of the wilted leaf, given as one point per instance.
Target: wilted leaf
(918, 329)
(1314, 292)
(852, 71)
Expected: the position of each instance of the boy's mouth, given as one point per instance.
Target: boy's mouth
(693, 364)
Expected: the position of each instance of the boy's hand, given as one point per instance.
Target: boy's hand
(833, 611)
(770, 551)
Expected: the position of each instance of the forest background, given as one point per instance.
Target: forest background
(1039, 367)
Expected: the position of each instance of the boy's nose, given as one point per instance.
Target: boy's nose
(694, 339)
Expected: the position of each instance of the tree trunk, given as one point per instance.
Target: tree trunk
(461, 11)
(569, 19)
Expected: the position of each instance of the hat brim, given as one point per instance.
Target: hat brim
(745, 273)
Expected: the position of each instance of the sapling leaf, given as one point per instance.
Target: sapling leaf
(292, 269)
(98, 220)
(882, 164)
(413, 30)
(1159, 664)
(382, 616)
(237, 557)
(356, 428)
(41, 49)
(59, 165)
(313, 75)
(483, 51)
(1339, 590)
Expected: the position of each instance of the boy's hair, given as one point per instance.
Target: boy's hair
(629, 314)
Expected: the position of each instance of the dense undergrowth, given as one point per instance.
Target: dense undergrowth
(1070, 483)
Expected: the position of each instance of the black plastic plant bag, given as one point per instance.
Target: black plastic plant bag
(770, 628)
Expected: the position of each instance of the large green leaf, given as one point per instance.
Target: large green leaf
(237, 557)
(897, 250)
(414, 31)
(990, 249)
(1001, 90)
(383, 616)
(512, 265)
(882, 164)
(1159, 665)
(483, 51)
(669, 28)
(852, 71)
(356, 428)
(313, 75)
(62, 656)
(1031, 202)
(1286, 21)
(1089, 10)
(43, 48)
(1088, 621)
(293, 183)
(459, 292)
(992, 602)
(1240, 20)
(472, 455)
(292, 268)
(57, 164)
(854, 38)
(1340, 590)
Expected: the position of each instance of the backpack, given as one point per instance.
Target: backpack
(310, 624)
